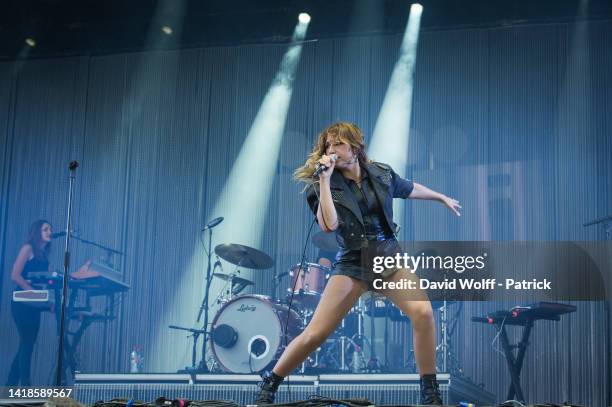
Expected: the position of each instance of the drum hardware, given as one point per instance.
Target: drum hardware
(195, 333)
(236, 285)
(306, 314)
(330, 356)
(239, 255)
(307, 283)
(373, 364)
(444, 348)
(276, 283)
(359, 341)
(345, 352)
(445, 356)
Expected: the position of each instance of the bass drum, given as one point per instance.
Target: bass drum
(248, 333)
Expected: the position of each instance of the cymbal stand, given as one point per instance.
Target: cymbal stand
(230, 292)
(443, 346)
(343, 339)
(222, 297)
(358, 351)
(276, 295)
(449, 362)
(231, 286)
(332, 353)
(373, 364)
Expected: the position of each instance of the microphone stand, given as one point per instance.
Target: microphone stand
(108, 252)
(202, 367)
(60, 352)
(195, 333)
(605, 221)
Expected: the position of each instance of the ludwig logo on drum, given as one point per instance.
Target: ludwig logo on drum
(244, 308)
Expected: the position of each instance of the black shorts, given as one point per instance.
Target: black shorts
(357, 263)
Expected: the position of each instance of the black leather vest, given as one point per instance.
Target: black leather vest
(387, 185)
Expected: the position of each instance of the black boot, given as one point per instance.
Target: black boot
(268, 387)
(430, 392)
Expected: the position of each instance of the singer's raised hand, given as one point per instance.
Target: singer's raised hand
(329, 161)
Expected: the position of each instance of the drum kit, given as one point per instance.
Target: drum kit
(250, 331)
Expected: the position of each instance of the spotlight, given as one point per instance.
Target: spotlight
(30, 42)
(304, 18)
(416, 8)
(167, 30)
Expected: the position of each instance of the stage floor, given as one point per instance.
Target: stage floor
(381, 389)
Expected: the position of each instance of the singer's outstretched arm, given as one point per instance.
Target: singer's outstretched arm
(422, 192)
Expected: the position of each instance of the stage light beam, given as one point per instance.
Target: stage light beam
(244, 199)
(263, 140)
(391, 135)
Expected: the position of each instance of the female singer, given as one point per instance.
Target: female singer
(353, 198)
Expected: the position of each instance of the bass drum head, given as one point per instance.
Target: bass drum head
(252, 324)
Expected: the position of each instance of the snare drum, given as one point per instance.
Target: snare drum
(308, 283)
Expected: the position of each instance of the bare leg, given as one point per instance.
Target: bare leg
(338, 297)
(416, 305)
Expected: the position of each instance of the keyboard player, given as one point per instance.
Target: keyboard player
(33, 258)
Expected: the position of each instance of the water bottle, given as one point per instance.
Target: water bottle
(134, 361)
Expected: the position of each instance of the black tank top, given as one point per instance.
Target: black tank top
(34, 264)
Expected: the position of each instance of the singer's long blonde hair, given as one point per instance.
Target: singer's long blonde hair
(343, 132)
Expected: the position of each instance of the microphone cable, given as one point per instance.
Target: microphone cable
(301, 267)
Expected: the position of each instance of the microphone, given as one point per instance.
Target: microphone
(213, 223)
(320, 167)
(217, 263)
(58, 234)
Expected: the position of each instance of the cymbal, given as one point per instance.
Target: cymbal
(325, 241)
(244, 256)
(236, 280)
